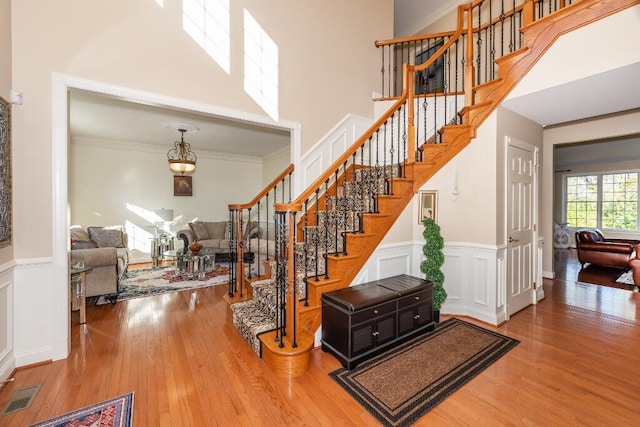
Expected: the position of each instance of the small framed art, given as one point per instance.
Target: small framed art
(182, 185)
(428, 204)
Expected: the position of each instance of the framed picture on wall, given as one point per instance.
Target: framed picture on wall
(428, 204)
(182, 185)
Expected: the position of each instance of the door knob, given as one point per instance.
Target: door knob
(512, 240)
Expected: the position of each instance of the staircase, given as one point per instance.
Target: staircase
(327, 234)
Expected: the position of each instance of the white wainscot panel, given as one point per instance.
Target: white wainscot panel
(33, 325)
(338, 145)
(7, 359)
(388, 260)
(480, 274)
(471, 281)
(331, 146)
(452, 282)
(393, 265)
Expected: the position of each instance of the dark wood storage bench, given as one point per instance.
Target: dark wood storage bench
(364, 320)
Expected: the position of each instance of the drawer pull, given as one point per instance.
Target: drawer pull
(375, 334)
(375, 311)
(417, 316)
(417, 298)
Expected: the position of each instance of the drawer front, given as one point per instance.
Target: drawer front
(370, 313)
(415, 298)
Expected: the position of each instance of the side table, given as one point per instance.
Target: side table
(159, 245)
(78, 290)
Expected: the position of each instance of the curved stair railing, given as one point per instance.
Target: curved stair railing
(326, 235)
(252, 230)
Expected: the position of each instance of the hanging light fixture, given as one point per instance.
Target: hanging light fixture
(181, 159)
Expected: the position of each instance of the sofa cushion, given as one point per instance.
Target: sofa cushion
(217, 230)
(83, 244)
(107, 237)
(199, 230)
(210, 243)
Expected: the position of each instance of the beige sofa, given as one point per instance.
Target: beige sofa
(104, 249)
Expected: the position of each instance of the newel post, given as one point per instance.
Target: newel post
(527, 11)
(291, 314)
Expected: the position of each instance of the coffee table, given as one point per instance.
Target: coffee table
(193, 265)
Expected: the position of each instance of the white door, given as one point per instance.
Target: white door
(521, 219)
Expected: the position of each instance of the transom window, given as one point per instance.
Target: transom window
(608, 201)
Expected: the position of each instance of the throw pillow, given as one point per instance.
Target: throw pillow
(106, 237)
(78, 233)
(199, 230)
(83, 244)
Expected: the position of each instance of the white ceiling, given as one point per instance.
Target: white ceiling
(100, 117)
(605, 93)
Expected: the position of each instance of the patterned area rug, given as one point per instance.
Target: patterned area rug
(154, 281)
(399, 386)
(116, 412)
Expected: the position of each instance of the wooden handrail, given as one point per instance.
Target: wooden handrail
(266, 189)
(446, 46)
(379, 43)
(296, 205)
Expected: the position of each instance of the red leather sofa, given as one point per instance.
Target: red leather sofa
(594, 248)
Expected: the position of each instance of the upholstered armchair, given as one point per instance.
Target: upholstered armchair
(594, 248)
(634, 263)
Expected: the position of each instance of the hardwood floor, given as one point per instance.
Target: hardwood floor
(577, 364)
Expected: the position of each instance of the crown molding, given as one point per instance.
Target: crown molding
(118, 145)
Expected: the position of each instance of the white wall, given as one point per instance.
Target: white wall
(120, 183)
(273, 165)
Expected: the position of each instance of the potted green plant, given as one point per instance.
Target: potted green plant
(431, 266)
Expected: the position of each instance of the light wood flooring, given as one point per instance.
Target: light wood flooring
(577, 365)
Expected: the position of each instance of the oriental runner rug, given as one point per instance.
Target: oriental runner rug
(115, 412)
(399, 386)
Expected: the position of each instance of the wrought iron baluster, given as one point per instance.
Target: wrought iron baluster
(375, 199)
(305, 252)
(232, 272)
(382, 70)
(502, 23)
(316, 236)
(267, 223)
(384, 158)
(404, 142)
(294, 339)
(335, 209)
(479, 45)
(456, 86)
(326, 230)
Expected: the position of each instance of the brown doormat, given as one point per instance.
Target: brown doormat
(399, 386)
